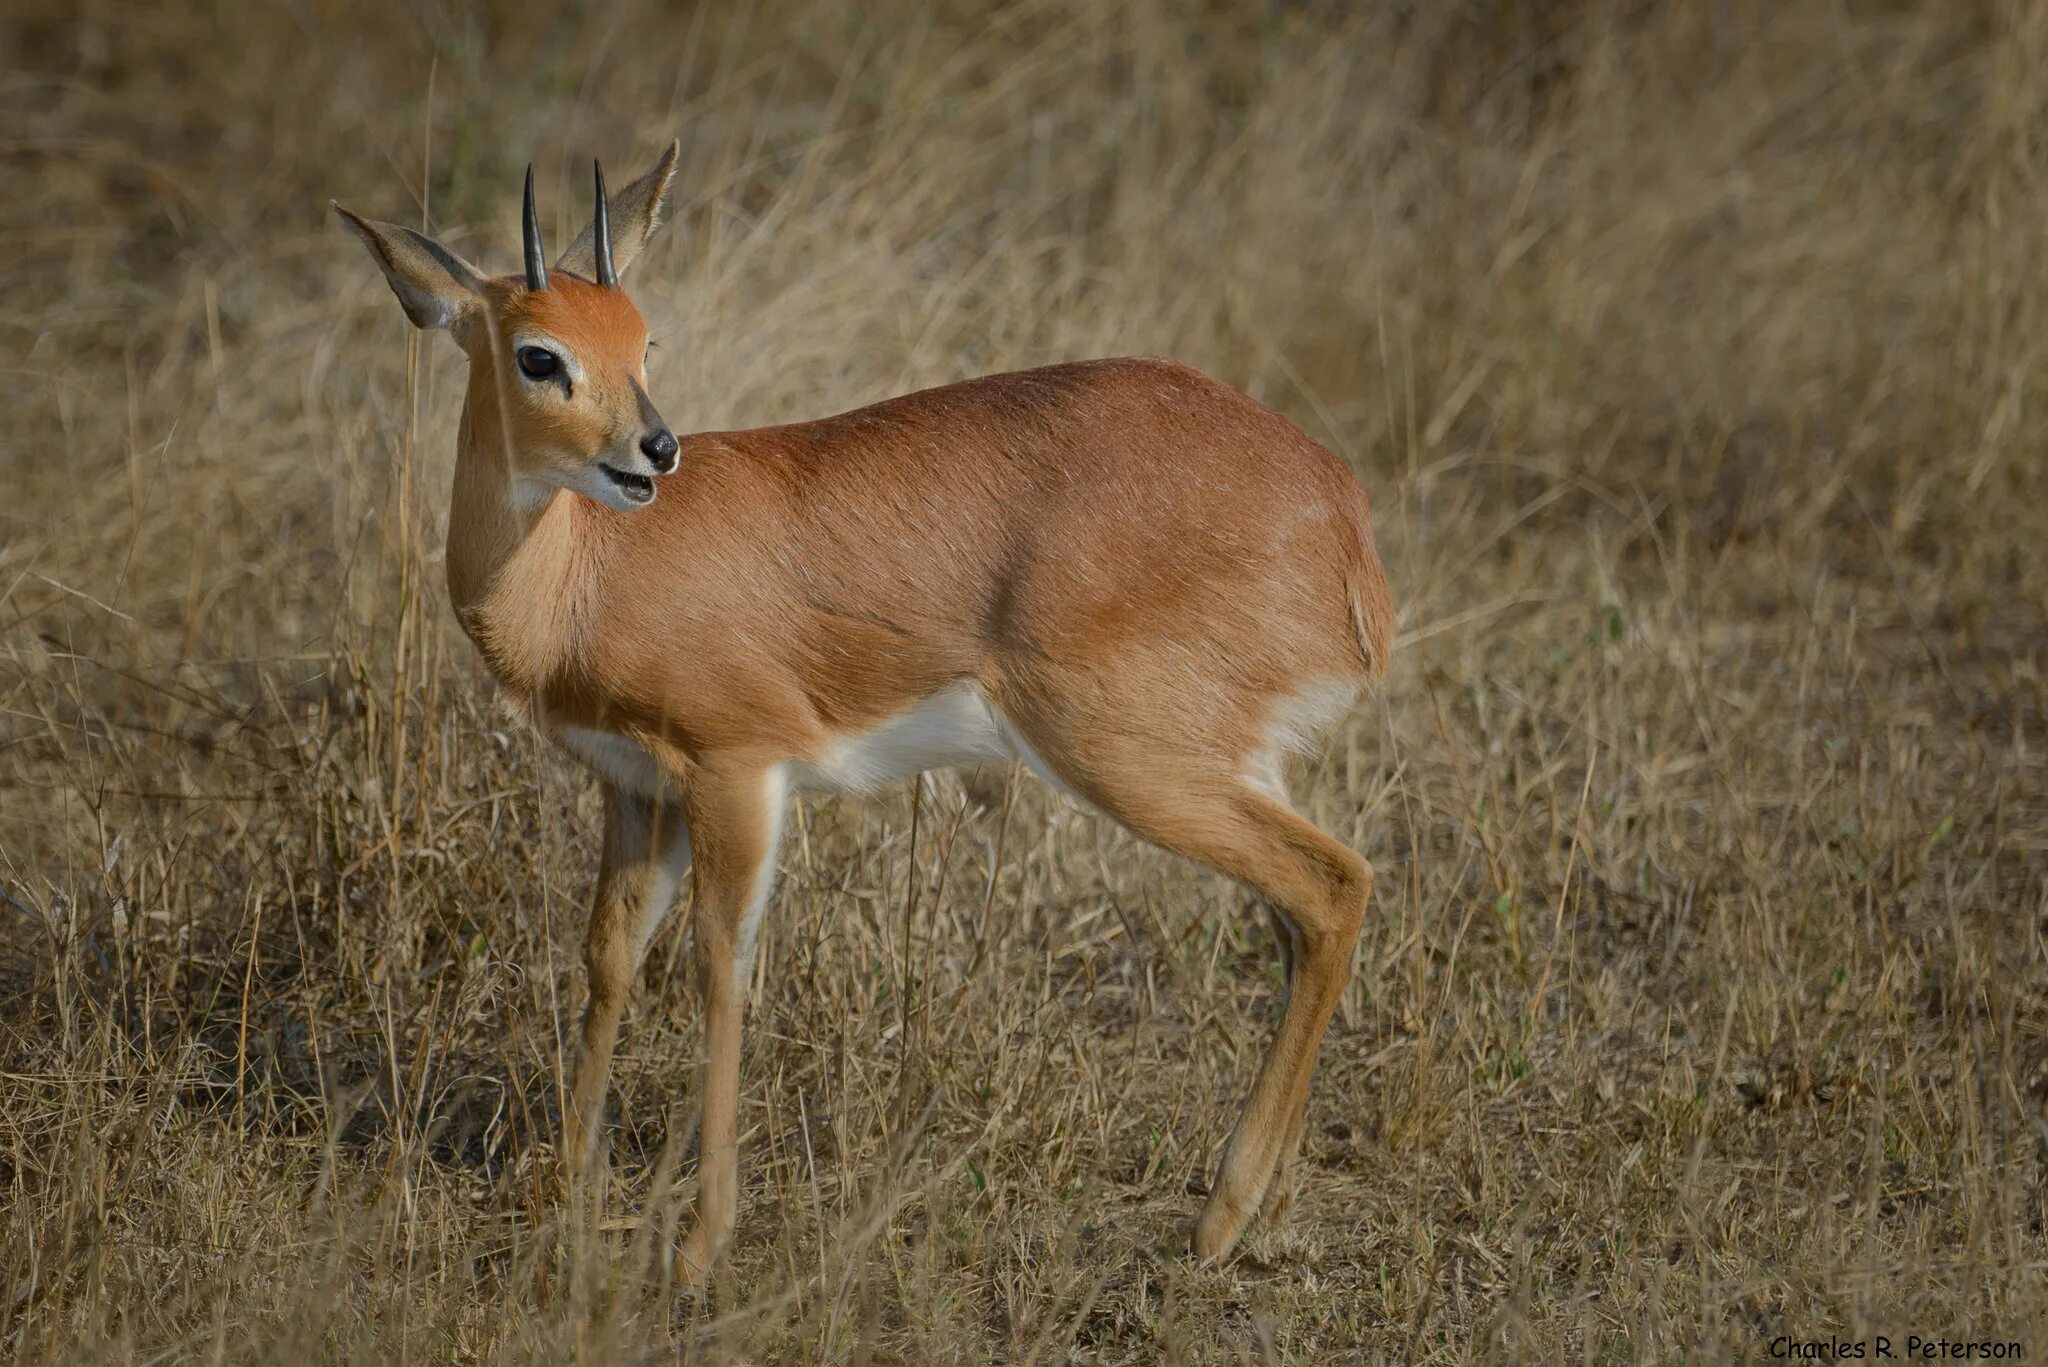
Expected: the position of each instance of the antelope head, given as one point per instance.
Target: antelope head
(558, 352)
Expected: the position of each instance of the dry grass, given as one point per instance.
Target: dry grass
(1687, 352)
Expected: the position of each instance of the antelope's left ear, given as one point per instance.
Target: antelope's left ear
(437, 288)
(635, 213)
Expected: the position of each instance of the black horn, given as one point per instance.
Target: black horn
(606, 275)
(536, 262)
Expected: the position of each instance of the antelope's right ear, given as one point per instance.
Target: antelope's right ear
(437, 288)
(634, 213)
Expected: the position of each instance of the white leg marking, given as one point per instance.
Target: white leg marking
(623, 763)
(776, 797)
(1295, 727)
(675, 862)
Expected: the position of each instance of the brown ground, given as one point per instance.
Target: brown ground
(1688, 352)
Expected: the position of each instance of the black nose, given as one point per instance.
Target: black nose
(659, 446)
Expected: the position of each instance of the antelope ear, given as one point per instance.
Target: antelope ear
(635, 213)
(437, 288)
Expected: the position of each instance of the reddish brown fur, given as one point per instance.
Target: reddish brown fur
(1136, 563)
(488, 548)
(1138, 566)
(611, 339)
(1129, 531)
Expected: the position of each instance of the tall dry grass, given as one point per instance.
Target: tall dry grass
(1687, 352)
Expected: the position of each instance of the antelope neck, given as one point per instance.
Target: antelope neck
(517, 566)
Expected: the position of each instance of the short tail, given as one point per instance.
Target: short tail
(1372, 604)
(1372, 622)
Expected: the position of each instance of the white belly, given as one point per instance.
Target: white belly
(957, 725)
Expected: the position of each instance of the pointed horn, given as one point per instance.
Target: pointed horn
(536, 261)
(602, 239)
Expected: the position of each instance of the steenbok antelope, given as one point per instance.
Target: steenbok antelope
(1139, 582)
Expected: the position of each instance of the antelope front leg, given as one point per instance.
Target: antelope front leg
(646, 851)
(736, 819)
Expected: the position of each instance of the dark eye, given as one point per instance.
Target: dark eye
(538, 363)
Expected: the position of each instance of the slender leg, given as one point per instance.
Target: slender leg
(1316, 888)
(1280, 1193)
(1321, 888)
(646, 852)
(736, 821)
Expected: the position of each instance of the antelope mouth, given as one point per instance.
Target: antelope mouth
(637, 489)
